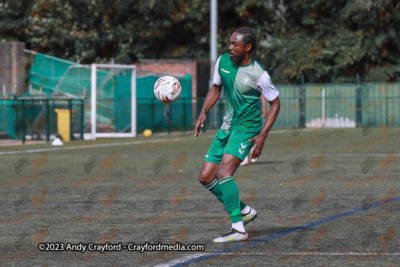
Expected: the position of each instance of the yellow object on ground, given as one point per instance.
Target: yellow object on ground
(147, 133)
(63, 122)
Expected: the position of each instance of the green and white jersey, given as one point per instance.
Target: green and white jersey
(243, 86)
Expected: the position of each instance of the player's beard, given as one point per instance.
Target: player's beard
(237, 59)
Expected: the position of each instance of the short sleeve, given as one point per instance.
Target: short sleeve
(266, 87)
(217, 78)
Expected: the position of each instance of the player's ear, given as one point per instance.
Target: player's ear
(248, 47)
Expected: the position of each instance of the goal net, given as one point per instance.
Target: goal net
(109, 91)
(113, 101)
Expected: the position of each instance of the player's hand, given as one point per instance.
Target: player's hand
(258, 146)
(199, 124)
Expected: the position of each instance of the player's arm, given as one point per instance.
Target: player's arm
(264, 107)
(268, 90)
(260, 139)
(272, 115)
(212, 97)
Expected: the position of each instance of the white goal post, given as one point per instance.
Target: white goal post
(94, 88)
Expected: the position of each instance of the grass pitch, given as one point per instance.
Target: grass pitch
(325, 197)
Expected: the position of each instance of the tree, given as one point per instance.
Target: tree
(324, 41)
(332, 41)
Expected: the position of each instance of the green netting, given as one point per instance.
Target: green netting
(47, 71)
(75, 81)
(8, 117)
(152, 113)
(52, 75)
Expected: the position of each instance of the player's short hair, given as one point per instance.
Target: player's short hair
(249, 37)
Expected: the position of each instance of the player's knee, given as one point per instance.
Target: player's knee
(204, 178)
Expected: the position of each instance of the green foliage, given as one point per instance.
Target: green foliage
(332, 41)
(325, 41)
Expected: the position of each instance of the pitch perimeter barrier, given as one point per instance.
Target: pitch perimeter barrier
(339, 105)
(303, 105)
(36, 118)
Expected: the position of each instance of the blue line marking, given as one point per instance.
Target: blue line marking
(270, 237)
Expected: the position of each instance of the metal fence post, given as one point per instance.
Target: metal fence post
(47, 120)
(387, 111)
(23, 122)
(302, 97)
(32, 118)
(358, 102)
(82, 115)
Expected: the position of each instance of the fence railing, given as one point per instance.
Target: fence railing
(304, 105)
(36, 118)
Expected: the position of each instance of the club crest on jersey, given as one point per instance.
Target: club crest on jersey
(246, 80)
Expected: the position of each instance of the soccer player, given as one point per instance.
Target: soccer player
(244, 80)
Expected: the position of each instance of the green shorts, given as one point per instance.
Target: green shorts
(235, 143)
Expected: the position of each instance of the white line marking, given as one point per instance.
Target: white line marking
(328, 155)
(372, 253)
(169, 139)
(194, 256)
(77, 146)
(181, 260)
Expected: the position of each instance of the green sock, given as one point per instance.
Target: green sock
(230, 196)
(242, 205)
(215, 188)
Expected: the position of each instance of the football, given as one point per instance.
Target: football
(167, 89)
